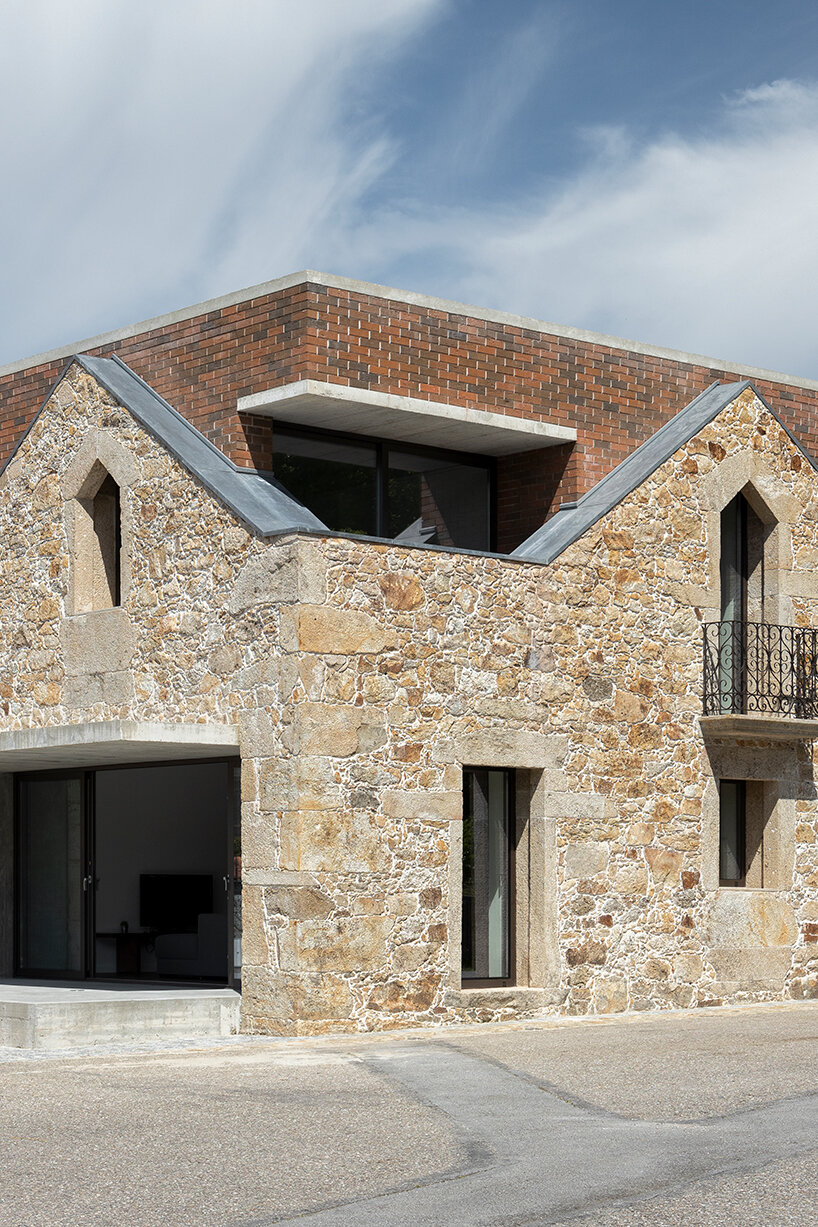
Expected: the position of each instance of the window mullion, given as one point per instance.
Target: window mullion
(382, 492)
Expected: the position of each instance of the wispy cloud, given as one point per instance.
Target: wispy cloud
(161, 153)
(494, 89)
(707, 243)
(150, 163)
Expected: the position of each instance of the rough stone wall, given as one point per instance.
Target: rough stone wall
(173, 651)
(363, 677)
(415, 663)
(396, 661)
(643, 923)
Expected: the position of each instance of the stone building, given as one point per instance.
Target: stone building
(407, 664)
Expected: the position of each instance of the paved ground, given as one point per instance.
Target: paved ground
(706, 1118)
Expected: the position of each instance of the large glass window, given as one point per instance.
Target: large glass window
(487, 875)
(414, 495)
(437, 493)
(335, 478)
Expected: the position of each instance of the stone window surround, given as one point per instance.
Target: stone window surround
(536, 761)
(774, 770)
(746, 473)
(100, 454)
(773, 767)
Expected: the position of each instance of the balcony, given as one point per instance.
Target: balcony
(760, 680)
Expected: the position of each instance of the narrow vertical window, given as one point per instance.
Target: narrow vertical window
(107, 531)
(732, 833)
(733, 571)
(734, 561)
(97, 550)
(487, 876)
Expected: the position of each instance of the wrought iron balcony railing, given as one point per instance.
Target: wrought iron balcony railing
(756, 667)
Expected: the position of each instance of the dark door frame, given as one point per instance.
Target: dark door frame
(509, 980)
(87, 775)
(86, 869)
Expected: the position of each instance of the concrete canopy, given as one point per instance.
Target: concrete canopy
(113, 742)
(406, 419)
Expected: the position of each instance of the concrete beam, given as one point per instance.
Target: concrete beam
(96, 744)
(408, 419)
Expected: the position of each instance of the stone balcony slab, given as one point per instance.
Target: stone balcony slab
(761, 728)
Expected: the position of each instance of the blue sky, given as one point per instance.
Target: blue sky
(648, 170)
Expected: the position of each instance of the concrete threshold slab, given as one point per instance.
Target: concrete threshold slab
(49, 1016)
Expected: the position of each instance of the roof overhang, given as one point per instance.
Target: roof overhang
(407, 419)
(112, 742)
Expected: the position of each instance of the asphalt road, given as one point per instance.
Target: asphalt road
(703, 1118)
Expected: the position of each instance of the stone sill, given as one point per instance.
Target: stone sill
(763, 728)
(513, 998)
(766, 891)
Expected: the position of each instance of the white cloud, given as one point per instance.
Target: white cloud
(157, 153)
(705, 243)
(153, 163)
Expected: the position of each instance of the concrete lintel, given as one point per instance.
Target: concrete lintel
(408, 419)
(113, 741)
(761, 728)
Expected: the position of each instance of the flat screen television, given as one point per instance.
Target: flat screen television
(172, 902)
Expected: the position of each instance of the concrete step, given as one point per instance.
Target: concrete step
(63, 1015)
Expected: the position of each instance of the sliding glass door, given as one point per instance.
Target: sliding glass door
(52, 876)
(131, 872)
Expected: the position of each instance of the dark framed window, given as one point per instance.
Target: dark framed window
(732, 833)
(417, 495)
(488, 877)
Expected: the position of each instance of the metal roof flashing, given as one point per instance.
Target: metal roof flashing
(574, 519)
(263, 505)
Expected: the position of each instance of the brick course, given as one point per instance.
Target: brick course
(615, 398)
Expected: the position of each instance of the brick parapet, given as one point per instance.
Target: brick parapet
(615, 398)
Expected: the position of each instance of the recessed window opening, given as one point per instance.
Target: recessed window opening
(99, 548)
(741, 833)
(745, 637)
(743, 539)
(488, 876)
(732, 832)
(414, 495)
(108, 534)
(734, 561)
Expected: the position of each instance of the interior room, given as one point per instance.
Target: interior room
(161, 866)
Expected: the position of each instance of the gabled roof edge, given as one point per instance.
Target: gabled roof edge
(261, 503)
(572, 521)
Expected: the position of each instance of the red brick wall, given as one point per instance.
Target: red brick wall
(614, 398)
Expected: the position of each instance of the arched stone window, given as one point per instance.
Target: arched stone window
(741, 496)
(98, 523)
(106, 568)
(747, 529)
(98, 544)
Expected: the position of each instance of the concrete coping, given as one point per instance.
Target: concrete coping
(97, 743)
(410, 298)
(406, 419)
(762, 728)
